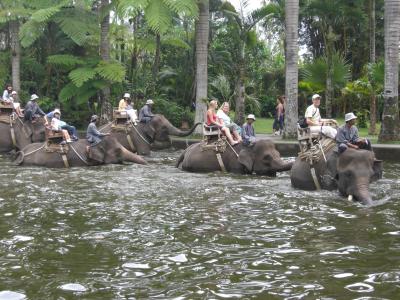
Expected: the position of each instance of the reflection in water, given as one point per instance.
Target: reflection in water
(131, 231)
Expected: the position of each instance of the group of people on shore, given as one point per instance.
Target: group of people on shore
(220, 120)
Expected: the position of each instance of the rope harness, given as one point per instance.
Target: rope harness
(219, 147)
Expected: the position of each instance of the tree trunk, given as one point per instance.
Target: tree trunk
(15, 55)
(390, 116)
(106, 107)
(372, 104)
(291, 71)
(202, 29)
(239, 88)
(156, 64)
(329, 89)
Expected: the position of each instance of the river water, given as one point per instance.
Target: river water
(138, 232)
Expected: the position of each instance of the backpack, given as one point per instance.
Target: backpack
(303, 120)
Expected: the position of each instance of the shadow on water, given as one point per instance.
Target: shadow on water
(131, 231)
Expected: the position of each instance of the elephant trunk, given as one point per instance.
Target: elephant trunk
(280, 166)
(362, 194)
(172, 130)
(131, 157)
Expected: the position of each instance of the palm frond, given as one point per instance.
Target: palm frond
(130, 8)
(183, 7)
(30, 32)
(176, 42)
(111, 71)
(43, 15)
(65, 60)
(81, 75)
(158, 16)
(68, 92)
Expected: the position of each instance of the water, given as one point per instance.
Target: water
(137, 232)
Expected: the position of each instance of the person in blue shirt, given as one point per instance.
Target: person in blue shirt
(248, 135)
(145, 114)
(94, 136)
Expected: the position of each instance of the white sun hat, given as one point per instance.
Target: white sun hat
(315, 96)
(34, 97)
(57, 111)
(251, 116)
(349, 117)
(149, 101)
(127, 95)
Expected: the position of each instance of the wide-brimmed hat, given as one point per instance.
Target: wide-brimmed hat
(13, 92)
(315, 96)
(349, 117)
(149, 101)
(251, 116)
(93, 118)
(127, 95)
(34, 97)
(57, 111)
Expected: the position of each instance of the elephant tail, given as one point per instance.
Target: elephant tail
(19, 158)
(180, 160)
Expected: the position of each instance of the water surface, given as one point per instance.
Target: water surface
(137, 232)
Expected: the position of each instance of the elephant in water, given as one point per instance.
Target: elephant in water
(109, 151)
(262, 159)
(24, 133)
(351, 172)
(143, 137)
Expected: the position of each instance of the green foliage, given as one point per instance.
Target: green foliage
(173, 112)
(222, 89)
(65, 60)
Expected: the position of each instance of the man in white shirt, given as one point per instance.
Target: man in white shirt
(314, 120)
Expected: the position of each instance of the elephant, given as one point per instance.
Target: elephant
(262, 158)
(143, 137)
(350, 172)
(108, 151)
(24, 132)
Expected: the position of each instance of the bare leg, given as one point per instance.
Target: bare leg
(238, 138)
(229, 136)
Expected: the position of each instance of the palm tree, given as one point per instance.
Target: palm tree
(372, 106)
(202, 31)
(390, 115)
(291, 84)
(106, 107)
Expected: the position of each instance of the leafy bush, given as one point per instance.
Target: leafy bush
(173, 112)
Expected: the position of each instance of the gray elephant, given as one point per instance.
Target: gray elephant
(108, 151)
(18, 133)
(143, 137)
(262, 159)
(351, 172)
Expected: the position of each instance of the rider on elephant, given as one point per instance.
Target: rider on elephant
(7, 92)
(145, 114)
(123, 103)
(347, 136)
(248, 135)
(63, 125)
(314, 120)
(56, 126)
(94, 136)
(32, 110)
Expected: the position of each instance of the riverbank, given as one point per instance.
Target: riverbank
(386, 152)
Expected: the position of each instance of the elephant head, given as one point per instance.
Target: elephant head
(110, 151)
(355, 170)
(263, 159)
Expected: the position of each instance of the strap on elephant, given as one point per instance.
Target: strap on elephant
(219, 146)
(12, 131)
(80, 157)
(314, 177)
(128, 137)
(221, 162)
(65, 160)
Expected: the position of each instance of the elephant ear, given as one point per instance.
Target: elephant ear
(27, 130)
(97, 153)
(377, 169)
(246, 158)
(149, 131)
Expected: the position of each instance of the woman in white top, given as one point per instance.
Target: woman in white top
(223, 114)
(56, 126)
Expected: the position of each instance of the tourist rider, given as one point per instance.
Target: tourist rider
(223, 114)
(123, 103)
(145, 114)
(63, 125)
(94, 136)
(13, 98)
(347, 136)
(7, 93)
(56, 126)
(248, 134)
(32, 110)
(315, 122)
(131, 112)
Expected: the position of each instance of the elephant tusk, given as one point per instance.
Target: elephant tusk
(350, 198)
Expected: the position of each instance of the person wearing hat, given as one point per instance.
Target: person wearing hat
(248, 135)
(347, 136)
(123, 103)
(17, 106)
(32, 110)
(94, 136)
(55, 125)
(145, 114)
(63, 125)
(314, 120)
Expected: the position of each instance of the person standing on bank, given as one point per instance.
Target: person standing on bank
(347, 136)
(145, 114)
(248, 134)
(94, 136)
(279, 116)
(315, 122)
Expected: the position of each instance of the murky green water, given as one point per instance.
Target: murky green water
(129, 232)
